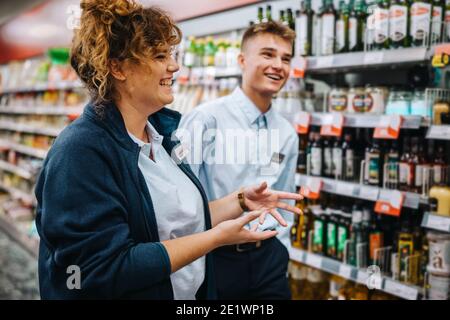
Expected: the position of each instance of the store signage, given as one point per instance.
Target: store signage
(333, 125)
(388, 127)
(302, 122)
(312, 188)
(390, 203)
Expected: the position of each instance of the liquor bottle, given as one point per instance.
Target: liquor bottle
(439, 164)
(316, 49)
(302, 154)
(200, 52)
(392, 166)
(332, 227)
(294, 234)
(376, 240)
(260, 14)
(370, 23)
(320, 225)
(404, 167)
(268, 16)
(405, 247)
(337, 155)
(283, 19)
(373, 162)
(327, 158)
(355, 234)
(343, 232)
(381, 25)
(399, 23)
(328, 28)
(290, 19)
(422, 168)
(413, 163)
(210, 52)
(190, 53)
(304, 26)
(342, 28)
(362, 240)
(306, 225)
(316, 156)
(420, 22)
(357, 26)
(437, 19)
(447, 21)
(348, 155)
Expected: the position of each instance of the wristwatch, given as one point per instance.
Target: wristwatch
(241, 199)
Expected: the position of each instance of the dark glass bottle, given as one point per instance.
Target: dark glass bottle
(420, 13)
(342, 28)
(376, 239)
(392, 167)
(304, 26)
(260, 14)
(357, 26)
(290, 19)
(316, 159)
(328, 28)
(343, 232)
(413, 162)
(404, 167)
(381, 25)
(373, 163)
(283, 19)
(327, 158)
(437, 19)
(348, 155)
(337, 156)
(302, 154)
(399, 23)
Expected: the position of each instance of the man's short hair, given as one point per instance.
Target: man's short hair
(270, 27)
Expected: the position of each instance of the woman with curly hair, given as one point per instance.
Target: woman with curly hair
(117, 209)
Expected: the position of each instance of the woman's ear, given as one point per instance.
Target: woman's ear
(116, 69)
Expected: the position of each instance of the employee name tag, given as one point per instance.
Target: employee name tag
(277, 158)
(181, 151)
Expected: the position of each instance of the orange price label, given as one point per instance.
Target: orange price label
(388, 127)
(298, 67)
(311, 189)
(302, 121)
(333, 125)
(390, 203)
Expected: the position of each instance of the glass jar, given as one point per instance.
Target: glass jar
(399, 102)
(375, 99)
(419, 105)
(338, 100)
(356, 100)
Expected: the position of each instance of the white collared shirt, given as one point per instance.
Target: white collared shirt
(214, 156)
(178, 208)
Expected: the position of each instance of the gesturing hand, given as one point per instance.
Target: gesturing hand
(262, 198)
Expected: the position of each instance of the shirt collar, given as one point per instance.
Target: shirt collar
(250, 110)
(155, 137)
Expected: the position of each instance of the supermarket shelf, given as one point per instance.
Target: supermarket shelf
(354, 60)
(436, 222)
(15, 169)
(29, 244)
(359, 191)
(366, 120)
(35, 152)
(441, 132)
(42, 110)
(45, 87)
(349, 272)
(11, 126)
(18, 194)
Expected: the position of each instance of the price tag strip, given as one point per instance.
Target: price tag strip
(333, 125)
(400, 290)
(388, 127)
(390, 202)
(436, 222)
(345, 271)
(439, 132)
(314, 261)
(302, 121)
(375, 57)
(312, 188)
(296, 255)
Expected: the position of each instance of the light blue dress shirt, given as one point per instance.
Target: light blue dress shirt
(232, 144)
(178, 208)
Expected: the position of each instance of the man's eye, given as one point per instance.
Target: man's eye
(161, 57)
(287, 60)
(267, 54)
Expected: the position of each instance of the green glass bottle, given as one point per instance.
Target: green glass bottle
(290, 19)
(381, 25)
(420, 22)
(283, 19)
(342, 28)
(399, 23)
(304, 26)
(268, 13)
(437, 19)
(260, 14)
(328, 28)
(357, 26)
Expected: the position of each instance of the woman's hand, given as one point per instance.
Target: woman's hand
(262, 198)
(233, 231)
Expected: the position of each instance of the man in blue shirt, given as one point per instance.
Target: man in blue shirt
(238, 140)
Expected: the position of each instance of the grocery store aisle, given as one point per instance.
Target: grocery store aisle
(18, 271)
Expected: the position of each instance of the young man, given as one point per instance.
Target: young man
(243, 139)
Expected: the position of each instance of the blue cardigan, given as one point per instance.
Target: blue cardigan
(95, 211)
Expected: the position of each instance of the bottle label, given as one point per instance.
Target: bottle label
(437, 173)
(337, 162)
(419, 175)
(342, 238)
(398, 22)
(349, 170)
(340, 35)
(375, 242)
(328, 26)
(359, 103)
(316, 161)
(374, 162)
(328, 158)
(392, 169)
(338, 102)
(404, 173)
(318, 234)
(368, 102)
(420, 20)
(302, 34)
(436, 24)
(381, 24)
(189, 59)
(331, 239)
(352, 32)
(447, 23)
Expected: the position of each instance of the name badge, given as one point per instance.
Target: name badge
(277, 158)
(181, 152)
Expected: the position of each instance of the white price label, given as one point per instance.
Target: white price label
(369, 193)
(395, 198)
(325, 62)
(296, 255)
(400, 290)
(439, 223)
(362, 277)
(373, 57)
(314, 261)
(345, 189)
(345, 271)
(439, 132)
